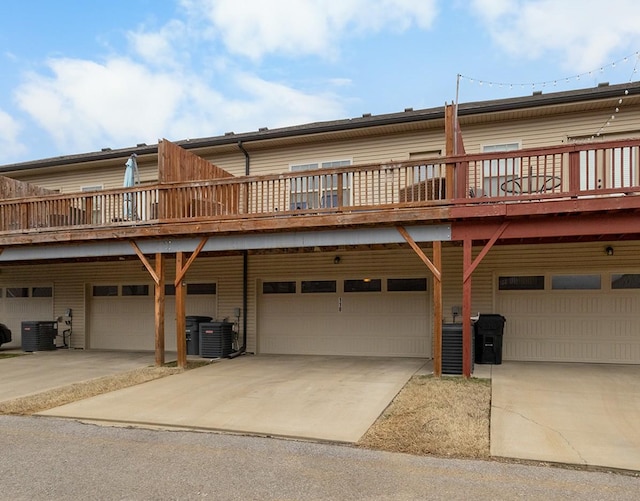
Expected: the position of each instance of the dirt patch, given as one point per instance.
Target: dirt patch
(446, 417)
(60, 396)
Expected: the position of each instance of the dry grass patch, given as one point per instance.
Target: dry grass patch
(431, 416)
(79, 391)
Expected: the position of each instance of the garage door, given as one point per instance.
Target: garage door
(122, 317)
(571, 317)
(19, 303)
(368, 317)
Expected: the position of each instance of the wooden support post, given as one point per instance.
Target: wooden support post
(449, 136)
(437, 313)
(181, 321)
(466, 308)
(436, 268)
(158, 275)
(159, 308)
(181, 298)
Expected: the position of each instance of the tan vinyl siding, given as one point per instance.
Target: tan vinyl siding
(70, 282)
(553, 131)
(360, 151)
(71, 181)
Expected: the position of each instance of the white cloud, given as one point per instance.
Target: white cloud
(254, 28)
(84, 102)
(84, 105)
(584, 32)
(10, 146)
(159, 48)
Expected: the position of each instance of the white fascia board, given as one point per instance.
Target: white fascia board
(361, 236)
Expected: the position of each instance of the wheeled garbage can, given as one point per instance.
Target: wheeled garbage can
(489, 331)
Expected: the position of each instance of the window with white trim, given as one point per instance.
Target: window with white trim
(497, 173)
(320, 191)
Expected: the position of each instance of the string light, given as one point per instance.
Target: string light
(544, 83)
(567, 80)
(620, 100)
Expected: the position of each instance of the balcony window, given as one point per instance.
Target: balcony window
(498, 174)
(313, 191)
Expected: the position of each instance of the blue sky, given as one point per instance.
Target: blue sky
(78, 76)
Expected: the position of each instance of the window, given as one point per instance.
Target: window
(521, 283)
(497, 173)
(135, 290)
(406, 284)
(318, 286)
(105, 290)
(278, 287)
(625, 281)
(313, 191)
(17, 291)
(363, 285)
(42, 292)
(575, 282)
(201, 289)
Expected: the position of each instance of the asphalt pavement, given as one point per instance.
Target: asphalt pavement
(48, 458)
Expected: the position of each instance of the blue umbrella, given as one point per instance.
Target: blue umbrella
(131, 178)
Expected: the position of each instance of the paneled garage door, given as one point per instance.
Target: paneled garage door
(367, 317)
(571, 318)
(121, 317)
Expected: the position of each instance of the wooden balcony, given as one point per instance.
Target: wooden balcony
(578, 177)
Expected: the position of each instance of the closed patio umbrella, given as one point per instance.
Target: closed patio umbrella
(131, 178)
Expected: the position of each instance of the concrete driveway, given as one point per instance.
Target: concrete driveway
(567, 413)
(321, 398)
(39, 371)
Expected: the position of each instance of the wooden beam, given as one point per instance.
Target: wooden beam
(181, 321)
(159, 272)
(419, 252)
(468, 271)
(145, 262)
(467, 247)
(181, 272)
(437, 313)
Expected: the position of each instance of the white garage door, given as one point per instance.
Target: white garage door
(367, 317)
(19, 303)
(576, 318)
(122, 317)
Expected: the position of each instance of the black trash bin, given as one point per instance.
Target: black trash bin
(452, 349)
(489, 330)
(192, 332)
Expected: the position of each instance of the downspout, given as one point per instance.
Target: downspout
(245, 270)
(247, 160)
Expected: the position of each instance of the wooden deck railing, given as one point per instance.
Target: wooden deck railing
(576, 170)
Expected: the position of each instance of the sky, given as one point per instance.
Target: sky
(78, 76)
